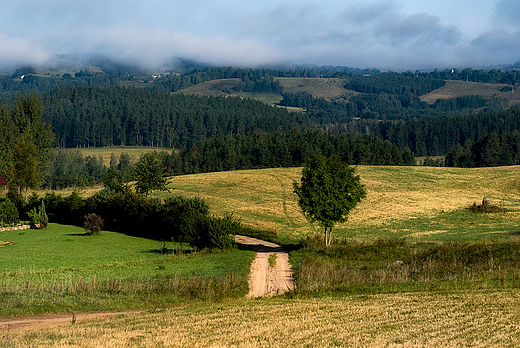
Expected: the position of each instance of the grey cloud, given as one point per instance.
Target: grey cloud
(508, 11)
(16, 52)
(498, 44)
(367, 13)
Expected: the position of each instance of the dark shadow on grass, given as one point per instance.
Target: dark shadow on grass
(514, 233)
(79, 234)
(167, 251)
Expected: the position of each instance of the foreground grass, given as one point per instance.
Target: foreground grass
(460, 319)
(386, 265)
(60, 269)
(418, 203)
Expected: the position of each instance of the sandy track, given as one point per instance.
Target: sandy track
(53, 319)
(265, 280)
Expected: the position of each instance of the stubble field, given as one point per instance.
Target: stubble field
(462, 319)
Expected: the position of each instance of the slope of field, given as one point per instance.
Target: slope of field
(327, 88)
(461, 319)
(418, 202)
(221, 87)
(454, 89)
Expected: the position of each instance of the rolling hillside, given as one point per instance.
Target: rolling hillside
(422, 203)
(330, 88)
(454, 89)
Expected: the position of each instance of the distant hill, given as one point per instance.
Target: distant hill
(455, 89)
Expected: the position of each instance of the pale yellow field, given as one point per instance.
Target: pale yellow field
(264, 198)
(462, 319)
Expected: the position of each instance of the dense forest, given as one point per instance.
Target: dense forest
(380, 121)
(489, 151)
(97, 116)
(285, 149)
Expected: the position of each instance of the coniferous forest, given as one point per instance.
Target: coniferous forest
(382, 120)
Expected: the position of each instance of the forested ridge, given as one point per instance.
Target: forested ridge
(104, 116)
(97, 116)
(382, 120)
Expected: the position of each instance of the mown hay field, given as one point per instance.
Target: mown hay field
(459, 319)
(421, 203)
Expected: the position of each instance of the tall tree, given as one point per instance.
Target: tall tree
(27, 118)
(7, 140)
(24, 163)
(149, 174)
(328, 191)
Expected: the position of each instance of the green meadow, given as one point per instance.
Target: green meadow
(62, 269)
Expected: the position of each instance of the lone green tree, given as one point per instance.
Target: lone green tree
(328, 191)
(149, 174)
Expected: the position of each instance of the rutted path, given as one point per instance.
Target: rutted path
(265, 280)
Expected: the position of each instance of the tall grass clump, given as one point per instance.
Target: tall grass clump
(399, 265)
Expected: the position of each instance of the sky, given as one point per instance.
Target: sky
(388, 35)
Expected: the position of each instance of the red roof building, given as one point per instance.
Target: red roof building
(2, 181)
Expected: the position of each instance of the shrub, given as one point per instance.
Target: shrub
(481, 208)
(8, 213)
(204, 231)
(93, 223)
(34, 217)
(44, 219)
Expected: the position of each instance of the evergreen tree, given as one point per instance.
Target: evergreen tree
(24, 163)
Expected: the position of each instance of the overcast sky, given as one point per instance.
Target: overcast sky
(405, 34)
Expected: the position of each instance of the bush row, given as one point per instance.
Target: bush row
(177, 218)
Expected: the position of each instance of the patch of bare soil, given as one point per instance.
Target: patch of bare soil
(265, 279)
(49, 320)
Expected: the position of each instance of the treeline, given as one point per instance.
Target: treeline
(385, 106)
(11, 86)
(433, 136)
(226, 152)
(68, 168)
(510, 76)
(177, 218)
(252, 80)
(97, 116)
(288, 149)
(490, 151)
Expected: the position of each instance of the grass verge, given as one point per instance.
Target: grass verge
(60, 269)
(395, 265)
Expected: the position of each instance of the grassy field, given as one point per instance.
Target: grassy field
(459, 319)
(216, 88)
(415, 268)
(454, 89)
(268, 98)
(134, 152)
(61, 269)
(418, 203)
(327, 88)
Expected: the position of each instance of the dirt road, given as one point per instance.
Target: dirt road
(265, 280)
